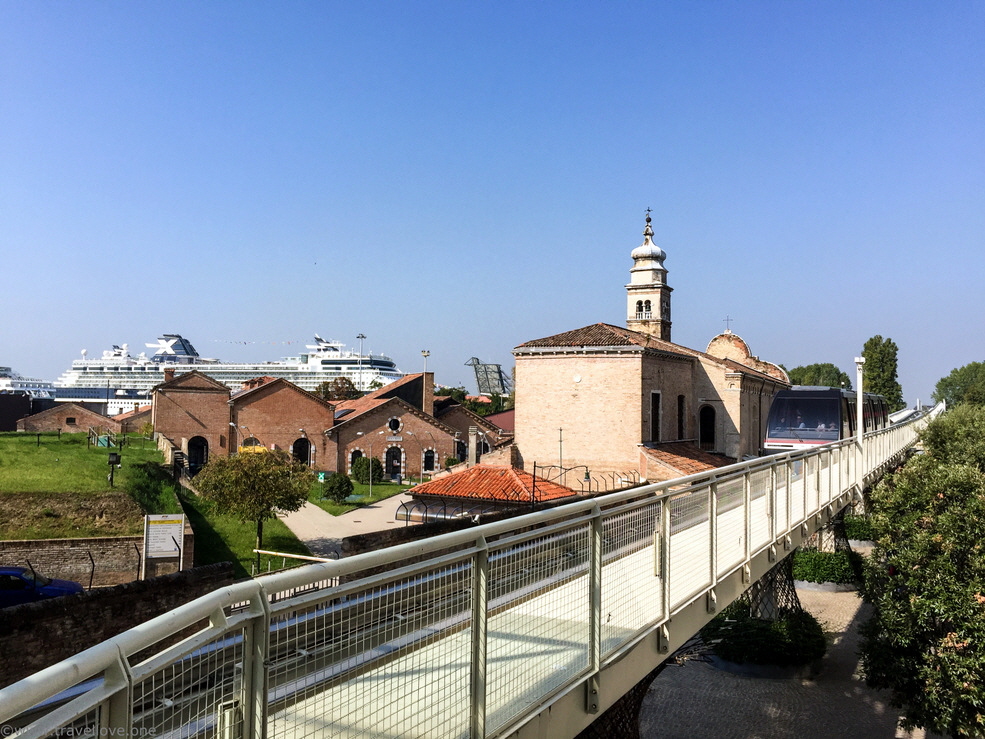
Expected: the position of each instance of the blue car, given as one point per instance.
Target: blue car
(23, 585)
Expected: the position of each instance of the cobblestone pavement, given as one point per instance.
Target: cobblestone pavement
(699, 700)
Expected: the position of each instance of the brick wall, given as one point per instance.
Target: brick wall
(115, 559)
(36, 635)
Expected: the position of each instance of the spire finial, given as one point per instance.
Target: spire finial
(728, 323)
(648, 231)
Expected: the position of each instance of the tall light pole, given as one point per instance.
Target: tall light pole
(860, 420)
(363, 433)
(361, 336)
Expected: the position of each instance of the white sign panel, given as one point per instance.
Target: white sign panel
(161, 531)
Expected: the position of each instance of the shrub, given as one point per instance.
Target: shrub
(812, 565)
(795, 638)
(858, 528)
(451, 462)
(361, 470)
(338, 487)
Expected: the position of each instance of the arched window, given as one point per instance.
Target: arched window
(429, 460)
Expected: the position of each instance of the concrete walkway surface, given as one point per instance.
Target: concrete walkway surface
(699, 700)
(323, 533)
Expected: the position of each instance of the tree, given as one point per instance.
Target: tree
(826, 375)
(964, 385)
(341, 388)
(926, 581)
(362, 466)
(457, 393)
(255, 486)
(338, 487)
(879, 371)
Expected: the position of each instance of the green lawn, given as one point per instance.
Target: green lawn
(55, 486)
(360, 496)
(53, 463)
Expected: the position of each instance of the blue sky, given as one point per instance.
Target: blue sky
(466, 176)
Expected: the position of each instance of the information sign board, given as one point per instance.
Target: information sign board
(161, 531)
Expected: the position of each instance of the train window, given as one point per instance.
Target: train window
(814, 419)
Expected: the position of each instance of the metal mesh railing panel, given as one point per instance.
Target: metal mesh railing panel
(86, 726)
(811, 484)
(782, 497)
(798, 488)
(760, 482)
(731, 523)
(632, 592)
(392, 660)
(538, 621)
(195, 695)
(690, 552)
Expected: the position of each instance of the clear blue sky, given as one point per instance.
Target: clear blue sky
(466, 176)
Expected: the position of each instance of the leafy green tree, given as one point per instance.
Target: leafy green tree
(964, 385)
(926, 580)
(361, 470)
(341, 388)
(457, 393)
(879, 372)
(254, 487)
(338, 487)
(826, 375)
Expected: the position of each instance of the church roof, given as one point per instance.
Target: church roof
(606, 335)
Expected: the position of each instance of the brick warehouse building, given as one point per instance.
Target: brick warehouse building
(402, 424)
(628, 399)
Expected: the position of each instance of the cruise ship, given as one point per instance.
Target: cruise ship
(11, 382)
(119, 382)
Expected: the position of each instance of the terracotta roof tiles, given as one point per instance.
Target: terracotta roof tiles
(491, 482)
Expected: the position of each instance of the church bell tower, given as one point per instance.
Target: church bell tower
(647, 294)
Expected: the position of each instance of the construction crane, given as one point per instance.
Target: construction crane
(489, 378)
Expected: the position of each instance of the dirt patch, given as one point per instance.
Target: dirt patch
(67, 515)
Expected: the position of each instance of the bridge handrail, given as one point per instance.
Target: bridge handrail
(255, 620)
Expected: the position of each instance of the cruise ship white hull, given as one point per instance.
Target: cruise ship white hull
(120, 382)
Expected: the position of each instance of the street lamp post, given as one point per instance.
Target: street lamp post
(860, 420)
(561, 472)
(363, 433)
(362, 384)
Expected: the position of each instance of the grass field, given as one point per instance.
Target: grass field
(56, 486)
(360, 496)
(65, 463)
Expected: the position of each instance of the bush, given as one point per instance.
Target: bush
(812, 565)
(361, 470)
(338, 487)
(858, 528)
(451, 462)
(795, 638)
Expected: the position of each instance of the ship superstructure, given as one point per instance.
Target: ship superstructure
(12, 382)
(120, 382)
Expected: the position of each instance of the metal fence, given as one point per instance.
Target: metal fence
(465, 634)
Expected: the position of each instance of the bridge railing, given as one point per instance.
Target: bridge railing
(465, 634)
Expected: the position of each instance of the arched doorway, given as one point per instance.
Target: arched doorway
(198, 454)
(301, 449)
(706, 428)
(393, 467)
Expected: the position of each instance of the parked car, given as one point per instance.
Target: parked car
(24, 585)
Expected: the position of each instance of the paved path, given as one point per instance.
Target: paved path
(699, 700)
(322, 532)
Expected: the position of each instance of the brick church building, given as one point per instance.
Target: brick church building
(628, 401)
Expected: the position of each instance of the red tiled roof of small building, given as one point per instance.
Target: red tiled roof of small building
(492, 482)
(685, 458)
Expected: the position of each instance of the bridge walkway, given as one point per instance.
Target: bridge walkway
(527, 627)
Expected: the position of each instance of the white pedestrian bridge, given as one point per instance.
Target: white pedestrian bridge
(529, 627)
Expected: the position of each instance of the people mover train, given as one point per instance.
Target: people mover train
(805, 416)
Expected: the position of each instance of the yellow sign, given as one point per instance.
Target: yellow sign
(251, 449)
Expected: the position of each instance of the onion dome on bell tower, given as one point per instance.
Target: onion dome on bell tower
(648, 295)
